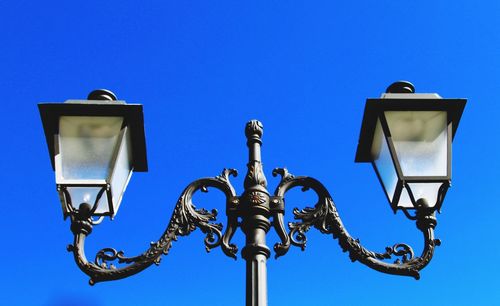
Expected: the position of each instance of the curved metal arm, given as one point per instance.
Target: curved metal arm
(324, 217)
(185, 219)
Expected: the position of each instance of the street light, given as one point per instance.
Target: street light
(95, 145)
(407, 137)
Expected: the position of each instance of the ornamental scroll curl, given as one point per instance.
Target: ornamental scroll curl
(185, 219)
(324, 217)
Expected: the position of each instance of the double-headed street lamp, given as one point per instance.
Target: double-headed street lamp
(95, 145)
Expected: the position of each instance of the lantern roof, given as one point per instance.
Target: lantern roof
(403, 102)
(132, 114)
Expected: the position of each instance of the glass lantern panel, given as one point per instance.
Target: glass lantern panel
(88, 195)
(86, 146)
(428, 191)
(122, 170)
(382, 161)
(420, 139)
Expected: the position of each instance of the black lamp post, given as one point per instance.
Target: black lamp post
(96, 144)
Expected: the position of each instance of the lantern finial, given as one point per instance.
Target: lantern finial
(401, 87)
(102, 94)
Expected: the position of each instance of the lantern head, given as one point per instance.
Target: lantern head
(407, 137)
(94, 146)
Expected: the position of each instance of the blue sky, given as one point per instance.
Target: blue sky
(204, 68)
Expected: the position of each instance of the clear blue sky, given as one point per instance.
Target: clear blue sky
(202, 69)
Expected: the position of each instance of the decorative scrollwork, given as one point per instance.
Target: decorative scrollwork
(324, 217)
(400, 249)
(285, 176)
(281, 248)
(224, 178)
(255, 175)
(109, 255)
(185, 219)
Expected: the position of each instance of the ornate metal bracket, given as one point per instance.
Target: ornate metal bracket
(185, 219)
(324, 217)
(256, 207)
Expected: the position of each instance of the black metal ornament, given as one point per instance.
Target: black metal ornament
(259, 211)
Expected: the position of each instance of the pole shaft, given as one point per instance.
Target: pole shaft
(255, 219)
(256, 254)
(256, 281)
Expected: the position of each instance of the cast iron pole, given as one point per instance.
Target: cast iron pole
(255, 219)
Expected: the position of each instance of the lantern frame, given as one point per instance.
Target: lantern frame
(132, 127)
(375, 110)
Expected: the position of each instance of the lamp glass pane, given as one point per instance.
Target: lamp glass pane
(86, 146)
(88, 195)
(428, 191)
(420, 139)
(122, 170)
(383, 162)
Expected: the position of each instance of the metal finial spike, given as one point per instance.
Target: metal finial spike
(102, 94)
(401, 87)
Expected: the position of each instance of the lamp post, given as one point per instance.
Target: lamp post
(95, 145)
